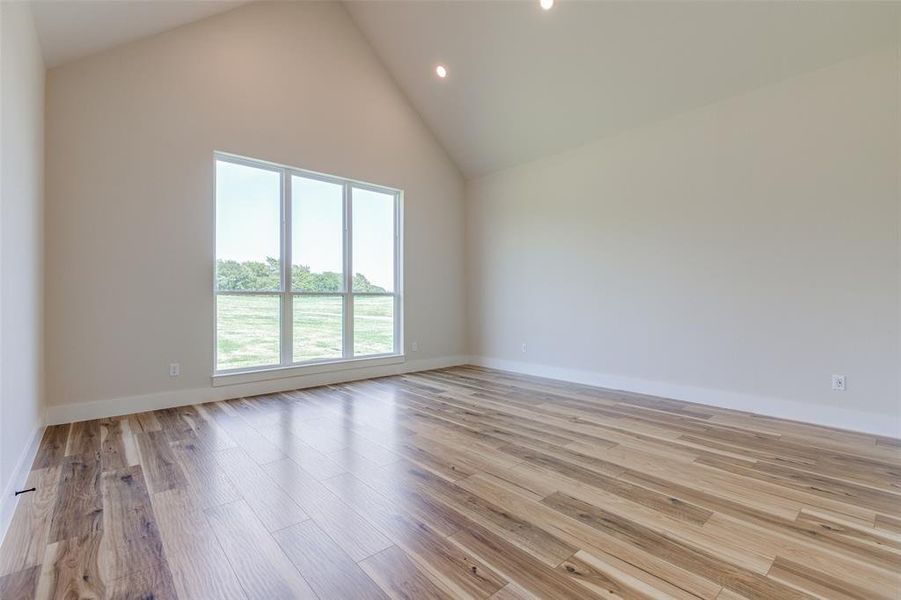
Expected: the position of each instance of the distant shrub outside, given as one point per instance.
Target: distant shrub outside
(248, 326)
(255, 276)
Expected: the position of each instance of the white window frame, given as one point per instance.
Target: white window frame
(287, 367)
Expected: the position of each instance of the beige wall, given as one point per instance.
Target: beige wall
(739, 254)
(130, 139)
(21, 244)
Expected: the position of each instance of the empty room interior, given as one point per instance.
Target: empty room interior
(408, 299)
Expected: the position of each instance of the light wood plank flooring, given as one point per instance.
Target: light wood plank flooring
(456, 483)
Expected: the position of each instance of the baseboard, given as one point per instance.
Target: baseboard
(9, 500)
(99, 409)
(841, 418)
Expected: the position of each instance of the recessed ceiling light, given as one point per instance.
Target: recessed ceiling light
(440, 71)
(547, 4)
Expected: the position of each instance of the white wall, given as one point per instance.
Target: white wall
(739, 254)
(130, 139)
(21, 246)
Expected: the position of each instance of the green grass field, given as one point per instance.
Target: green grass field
(248, 328)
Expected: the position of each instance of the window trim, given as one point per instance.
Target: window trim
(288, 367)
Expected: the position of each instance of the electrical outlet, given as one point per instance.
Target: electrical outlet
(414, 346)
(524, 348)
(838, 383)
(174, 370)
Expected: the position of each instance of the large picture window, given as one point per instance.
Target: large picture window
(307, 267)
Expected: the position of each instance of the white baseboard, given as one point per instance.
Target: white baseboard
(842, 418)
(9, 500)
(70, 413)
(830, 416)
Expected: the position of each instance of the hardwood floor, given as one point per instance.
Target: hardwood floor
(457, 483)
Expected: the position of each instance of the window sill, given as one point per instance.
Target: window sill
(250, 376)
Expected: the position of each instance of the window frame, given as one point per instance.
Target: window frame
(287, 366)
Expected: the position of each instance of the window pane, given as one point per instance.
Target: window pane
(247, 331)
(317, 235)
(373, 325)
(248, 228)
(317, 327)
(373, 241)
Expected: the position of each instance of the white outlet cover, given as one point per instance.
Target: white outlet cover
(838, 383)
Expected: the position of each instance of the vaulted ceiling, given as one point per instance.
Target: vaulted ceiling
(71, 29)
(525, 83)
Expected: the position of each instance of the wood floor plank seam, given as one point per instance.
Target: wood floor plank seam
(462, 482)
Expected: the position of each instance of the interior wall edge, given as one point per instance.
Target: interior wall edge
(99, 409)
(9, 501)
(781, 408)
(22, 131)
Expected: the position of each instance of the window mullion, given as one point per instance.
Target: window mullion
(347, 325)
(287, 324)
(398, 278)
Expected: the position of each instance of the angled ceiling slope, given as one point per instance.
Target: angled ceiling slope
(71, 29)
(524, 83)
